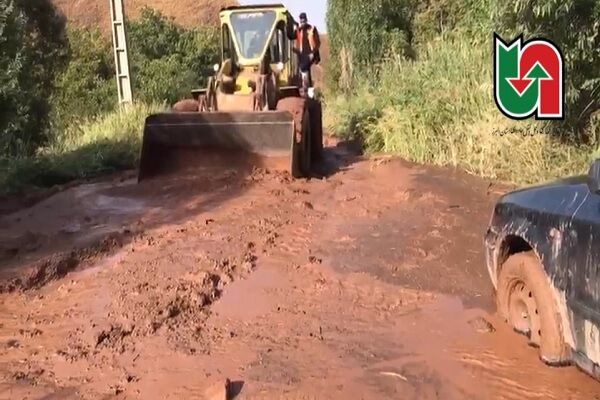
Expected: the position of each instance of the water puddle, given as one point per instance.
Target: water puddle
(251, 297)
(120, 205)
(450, 352)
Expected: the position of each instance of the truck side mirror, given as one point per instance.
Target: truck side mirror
(593, 177)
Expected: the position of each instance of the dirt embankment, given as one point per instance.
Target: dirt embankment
(369, 284)
(96, 13)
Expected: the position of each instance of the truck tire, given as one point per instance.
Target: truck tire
(526, 302)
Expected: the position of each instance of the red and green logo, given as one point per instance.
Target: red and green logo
(528, 78)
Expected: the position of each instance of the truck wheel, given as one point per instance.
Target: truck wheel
(525, 300)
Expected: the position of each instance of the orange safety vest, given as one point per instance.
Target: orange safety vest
(312, 40)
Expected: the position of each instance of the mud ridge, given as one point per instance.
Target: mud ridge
(58, 265)
(179, 313)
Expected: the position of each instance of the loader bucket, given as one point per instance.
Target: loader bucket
(175, 141)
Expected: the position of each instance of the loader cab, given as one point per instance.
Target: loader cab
(283, 59)
(250, 34)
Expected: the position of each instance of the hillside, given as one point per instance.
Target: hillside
(95, 13)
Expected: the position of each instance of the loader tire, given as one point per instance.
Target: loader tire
(186, 105)
(316, 130)
(301, 153)
(306, 143)
(270, 92)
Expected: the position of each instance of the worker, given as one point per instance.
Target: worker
(307, 46)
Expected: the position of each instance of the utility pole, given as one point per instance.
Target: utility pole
(117, 15)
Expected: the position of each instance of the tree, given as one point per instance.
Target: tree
(86, 87)
(174, 61)
(361, 33)
(33, 50)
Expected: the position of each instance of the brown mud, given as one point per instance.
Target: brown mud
(366, 284)
(96, 13)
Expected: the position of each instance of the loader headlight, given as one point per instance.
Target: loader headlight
(216, 67)
(311, 92)
(279, 67)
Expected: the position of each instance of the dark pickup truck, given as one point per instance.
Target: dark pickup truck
(543, 258)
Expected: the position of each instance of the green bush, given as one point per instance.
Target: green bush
(364, 34)
(436, 106)
(442, 112)
(34, 47)
(72, 77)
(86, 88)
(361, 33)
(103, 144)
(435, 18)
(167, 61)
(171, 63)
(13, 102)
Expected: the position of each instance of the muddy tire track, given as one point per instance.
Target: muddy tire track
(354, 285)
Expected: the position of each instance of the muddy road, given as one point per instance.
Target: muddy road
(367, 284)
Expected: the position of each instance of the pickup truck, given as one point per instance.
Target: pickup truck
(543, 258)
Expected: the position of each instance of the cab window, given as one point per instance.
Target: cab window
(279, 44)
(227, 43)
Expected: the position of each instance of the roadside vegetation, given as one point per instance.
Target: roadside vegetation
(419, 84)
(100, 145)
(59, 118)
(405, 77)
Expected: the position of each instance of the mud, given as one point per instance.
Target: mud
(200, 162)
(296, 107)
(95, 14)
(368, 283)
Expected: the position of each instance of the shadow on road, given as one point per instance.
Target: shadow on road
(337, 158)
(57, 235)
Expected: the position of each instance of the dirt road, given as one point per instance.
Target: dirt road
(369, 284)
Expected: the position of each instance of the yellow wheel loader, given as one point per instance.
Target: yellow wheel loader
(256, 107)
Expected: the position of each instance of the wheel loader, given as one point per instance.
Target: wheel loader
(257, 106)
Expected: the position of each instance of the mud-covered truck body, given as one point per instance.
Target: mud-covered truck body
(543, 257)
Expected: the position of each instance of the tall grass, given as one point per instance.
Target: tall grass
(440, 109)
(100, 145)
